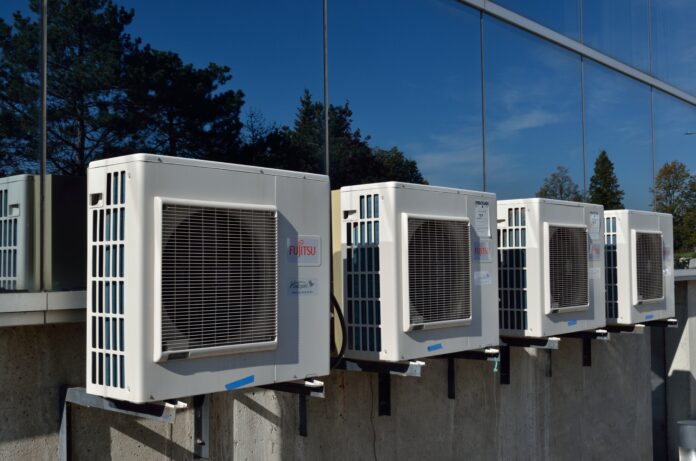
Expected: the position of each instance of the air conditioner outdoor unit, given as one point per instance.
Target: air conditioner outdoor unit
(419, 273)
(20, 233)
(550, 267)
(204, 277)
(639, 266)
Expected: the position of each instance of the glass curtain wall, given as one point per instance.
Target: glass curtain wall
(533, 111)
(410, 71)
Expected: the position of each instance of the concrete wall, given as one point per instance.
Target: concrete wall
(674, 375)
(600, 412)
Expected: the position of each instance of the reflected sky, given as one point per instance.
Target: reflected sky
(673, 120)
(619, 28)
(560, 15)
(674, 42)
(618, 121)
(402, 92)
(533, 111)
(411, 72)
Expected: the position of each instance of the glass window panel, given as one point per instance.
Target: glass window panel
(533, 111)
(19, 143)
(618, 28)
(560, 15)
(674, 42)
(411, 73)
(617, 114)
(675, 131)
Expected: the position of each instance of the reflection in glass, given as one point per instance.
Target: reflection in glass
(19, 137)
(618, 28)
(533, 111)
(411, 73)
(674, 42)
(675, 131)
(617, 114)
(560, 15)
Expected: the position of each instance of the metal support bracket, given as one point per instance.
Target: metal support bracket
(636, 329)
(201, 426)
(303, 389)
(384, 372)
(162, 412)
(666, 323)
(490, 354)
(587, 337)
(548, 344)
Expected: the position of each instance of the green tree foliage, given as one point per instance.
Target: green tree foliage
(85, 96)
(178, 110)
(604, 185)
(110, 95)
(559, 185)
(107, 94)
(675, 193)
(353, 160)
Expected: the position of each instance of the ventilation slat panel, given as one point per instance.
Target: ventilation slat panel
(439, 270)
(568, 267)
(219, 277)
(649, 266)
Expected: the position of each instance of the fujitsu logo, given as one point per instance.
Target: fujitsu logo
(302, 249)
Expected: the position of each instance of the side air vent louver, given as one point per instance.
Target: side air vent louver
(649, 266)
(107, 291)
(8, 244)
(439, 270)
(219, 277)
(568, 267)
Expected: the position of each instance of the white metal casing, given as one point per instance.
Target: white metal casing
(131, 190)
(388, 320)
(621, 228)
(524, 269)
(16, 232)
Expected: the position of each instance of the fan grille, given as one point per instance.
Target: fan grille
(649, 266)
(219, 277)
(439, 271)
(568, 267)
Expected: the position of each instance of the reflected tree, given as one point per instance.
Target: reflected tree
(560, 186)
(675, 193)
(604, 185)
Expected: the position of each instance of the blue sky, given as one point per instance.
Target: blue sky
(411, 72)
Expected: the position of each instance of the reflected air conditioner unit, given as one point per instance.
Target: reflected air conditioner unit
(419, 274)
(20, 233)
(550, 267)
(204, 277)
(639, 266)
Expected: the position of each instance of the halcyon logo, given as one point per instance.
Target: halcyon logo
(304, 250)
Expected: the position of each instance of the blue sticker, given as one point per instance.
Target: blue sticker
(239, 383)
(434, 347)
(649, 317)
(572, 323)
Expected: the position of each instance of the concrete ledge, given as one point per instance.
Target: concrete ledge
(682, 275)
(21, 309)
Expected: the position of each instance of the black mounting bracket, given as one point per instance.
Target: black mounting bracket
(490, 354)
(638, 328)
(587, 337)
(384, 372)
(548, 344)
(666, 323)
(303, 390)
(161, 411)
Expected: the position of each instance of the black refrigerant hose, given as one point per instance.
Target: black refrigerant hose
(337, 309)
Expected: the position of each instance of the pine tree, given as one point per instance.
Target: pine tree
(604, 185)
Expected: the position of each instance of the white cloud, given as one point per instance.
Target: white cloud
(534, 118)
